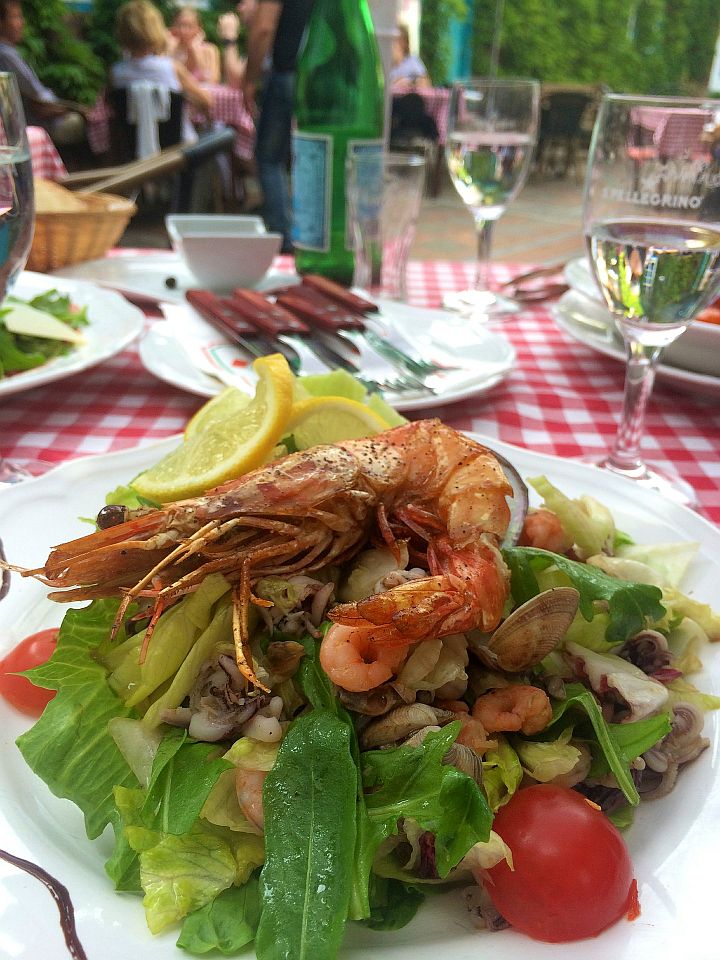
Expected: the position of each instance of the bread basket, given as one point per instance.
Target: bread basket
(64, 237)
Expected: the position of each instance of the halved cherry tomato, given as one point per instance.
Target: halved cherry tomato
(573, 875)
(30, 652)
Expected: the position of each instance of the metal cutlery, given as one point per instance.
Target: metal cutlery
(382, 336)
(347, 330)
(221, 315)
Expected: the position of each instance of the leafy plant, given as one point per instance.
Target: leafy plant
(55, 47)
(434, 36)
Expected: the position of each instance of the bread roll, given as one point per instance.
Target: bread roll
(52, 198)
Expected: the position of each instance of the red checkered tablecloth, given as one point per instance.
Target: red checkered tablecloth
(47, 164)
(562, 398)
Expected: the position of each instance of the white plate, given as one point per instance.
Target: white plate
(114, 323)
(183, 348)
(157, 275)
(697, 350)
(589, 322)
(675, 842)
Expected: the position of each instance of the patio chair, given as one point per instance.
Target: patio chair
(563, 128)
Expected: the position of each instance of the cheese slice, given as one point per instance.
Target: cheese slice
(23, 319)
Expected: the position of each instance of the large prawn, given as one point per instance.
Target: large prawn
(308, 510)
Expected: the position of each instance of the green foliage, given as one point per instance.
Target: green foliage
(54, 46)
(434, 36)
(653, 46)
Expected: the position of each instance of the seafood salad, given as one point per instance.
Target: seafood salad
(333, 686)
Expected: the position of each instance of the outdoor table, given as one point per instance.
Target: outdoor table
(47, 164)
(562, 398)
(671, 131)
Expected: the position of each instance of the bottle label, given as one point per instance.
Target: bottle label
(312, 186)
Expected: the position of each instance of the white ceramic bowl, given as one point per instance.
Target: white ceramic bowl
(223, 252)
(698, 349)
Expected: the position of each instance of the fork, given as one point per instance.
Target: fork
(371, 369)
(347, 332)
(383, 336)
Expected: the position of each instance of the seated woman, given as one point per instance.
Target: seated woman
(189, 47)
(407, 72)
(140, 31)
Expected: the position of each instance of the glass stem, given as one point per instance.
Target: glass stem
(642, 360)
(482, 268)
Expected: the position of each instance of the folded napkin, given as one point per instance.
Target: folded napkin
(148, 104)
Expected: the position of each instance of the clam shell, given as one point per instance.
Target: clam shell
(532, 631)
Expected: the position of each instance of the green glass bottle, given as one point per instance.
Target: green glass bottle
(339, 108)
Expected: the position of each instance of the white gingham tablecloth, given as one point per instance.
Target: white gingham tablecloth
(562, 398)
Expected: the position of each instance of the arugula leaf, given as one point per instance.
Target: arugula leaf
(414, 782)
(619, 743)
(309, 801)
(69, 747)
(630, 605)
(393, 903)
(226, 924)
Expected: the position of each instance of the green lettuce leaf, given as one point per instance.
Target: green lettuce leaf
(630, 605)
(545, 760)
(616, 744)
(414, 782)
(69, 747)
(393, 903)
(502, 773)
(683, 692)
(587, 523)
(226, 924)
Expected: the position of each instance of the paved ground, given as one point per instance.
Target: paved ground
(543, 225)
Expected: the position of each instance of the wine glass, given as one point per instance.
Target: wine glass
(17, 215)
(650, 224)
(492, 131)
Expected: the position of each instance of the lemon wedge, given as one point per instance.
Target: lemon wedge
(317, 420)
(229, 403)
(220, 447)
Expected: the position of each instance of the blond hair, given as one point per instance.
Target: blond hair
(140, 28)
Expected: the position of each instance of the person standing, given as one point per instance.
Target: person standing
(276, 29)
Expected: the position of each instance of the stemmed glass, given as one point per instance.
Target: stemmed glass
(17, 213)
(492, 131)
(654, 244)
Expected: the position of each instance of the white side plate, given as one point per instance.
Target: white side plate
(697, 350)
(589, 322)
(114, 323)
(183, 349)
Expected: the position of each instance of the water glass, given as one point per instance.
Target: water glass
(384, 193)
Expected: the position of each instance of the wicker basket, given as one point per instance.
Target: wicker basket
(72, 236)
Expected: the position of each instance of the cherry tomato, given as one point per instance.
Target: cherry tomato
(573, 875)
(30, 652)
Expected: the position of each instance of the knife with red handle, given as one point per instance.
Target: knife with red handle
(339, 294)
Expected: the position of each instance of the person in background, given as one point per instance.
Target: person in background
(187, 45)
(140, 31)
(407, 72)
(64, 121)
(276, 29)
(229, 26)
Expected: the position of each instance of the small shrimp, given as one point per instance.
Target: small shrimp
(542, 529)
(518, 706)
(249, 790)
(472, 732)
(354, 661)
